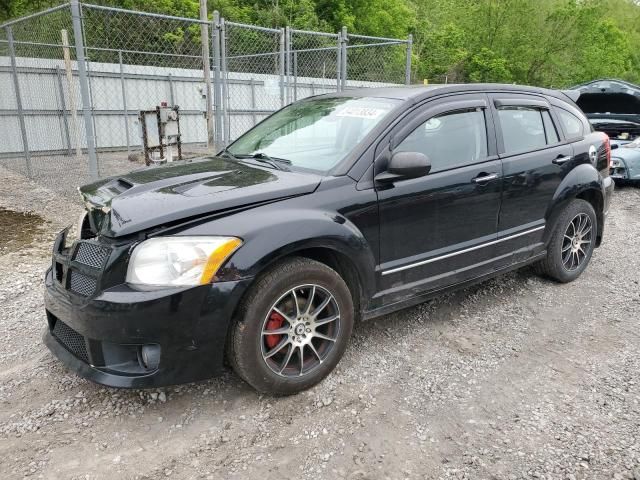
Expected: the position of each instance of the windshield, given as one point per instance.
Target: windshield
(315, 134)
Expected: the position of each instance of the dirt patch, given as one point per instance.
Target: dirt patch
(18, 229)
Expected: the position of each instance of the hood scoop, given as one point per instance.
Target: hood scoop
(157, 196)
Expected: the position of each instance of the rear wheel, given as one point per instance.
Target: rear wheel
(572, 242)
(293, 327)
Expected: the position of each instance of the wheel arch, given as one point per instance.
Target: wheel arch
(328, 238)
(585, 183)
(596, 199)
(343, 260)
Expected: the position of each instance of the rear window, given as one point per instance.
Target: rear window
(572, 125)
(526, 128)
(522, 129)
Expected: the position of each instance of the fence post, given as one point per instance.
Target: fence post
(124, 104)
(16, 85)
(252, 83)
(225, 83)
(295, 76)
(63, 107)
(282, 65)
(407, 71)
(172, 95)
(287, 47)
(339, 62)
(84, 89)
(217, 85)
(72, 92)
(206, 69)
(343, 46)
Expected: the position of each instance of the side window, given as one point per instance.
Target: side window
(549, 128)
(522, 128)
(571, 124)
(449, 140)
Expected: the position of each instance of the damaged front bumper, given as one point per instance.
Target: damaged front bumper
(123, 336)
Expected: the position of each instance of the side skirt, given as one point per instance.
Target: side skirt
(410, 302)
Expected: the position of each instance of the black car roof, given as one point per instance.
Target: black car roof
(420, 92)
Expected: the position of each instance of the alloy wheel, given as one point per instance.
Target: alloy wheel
(300, 330)
(577, 241)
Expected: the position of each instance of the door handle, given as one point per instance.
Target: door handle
(562, 159)
(485, 177)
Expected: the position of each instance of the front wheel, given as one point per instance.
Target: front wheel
(572, 242)
(293, 327)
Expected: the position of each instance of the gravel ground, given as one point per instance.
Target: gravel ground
(516, 378)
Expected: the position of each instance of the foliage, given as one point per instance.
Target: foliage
(542, 42)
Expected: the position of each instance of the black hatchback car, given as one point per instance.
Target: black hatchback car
(334, 209)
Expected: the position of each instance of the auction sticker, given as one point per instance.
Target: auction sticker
(361, 112)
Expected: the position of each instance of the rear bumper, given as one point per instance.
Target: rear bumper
(101, 338)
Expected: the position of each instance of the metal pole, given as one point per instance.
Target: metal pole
(172, 97)
(253, 99)
(225, 82)
(282, 66)
(206, 70)
(287, 46)
(72, 93)
(295, 76)
(407, 71)
(84, 89)
(91, 86)
(63, 107)
(339, 62)
(343, 70)
(217, 85)
(124, 105)
(16, 85)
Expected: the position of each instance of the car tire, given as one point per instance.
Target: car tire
(568, 254)
(310, 347)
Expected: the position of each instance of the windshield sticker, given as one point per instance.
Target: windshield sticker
(361, 112)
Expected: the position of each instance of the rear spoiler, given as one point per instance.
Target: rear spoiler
(572, 94)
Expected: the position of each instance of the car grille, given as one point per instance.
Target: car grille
(79, 269)
(71, 340)
(82, 284)
(91, 254)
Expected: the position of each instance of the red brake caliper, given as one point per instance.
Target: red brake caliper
(275, 321)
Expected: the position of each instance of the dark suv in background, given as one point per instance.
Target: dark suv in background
(335, 208)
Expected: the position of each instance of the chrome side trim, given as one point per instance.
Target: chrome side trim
(460, 252)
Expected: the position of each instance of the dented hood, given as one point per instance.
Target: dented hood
(184, 190)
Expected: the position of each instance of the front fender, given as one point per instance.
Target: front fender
(270, 234)
(583, 180)
(304, 229)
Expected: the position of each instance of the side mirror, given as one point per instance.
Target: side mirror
(405, 165)
(615, 146)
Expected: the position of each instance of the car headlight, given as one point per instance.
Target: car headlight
(169, 261)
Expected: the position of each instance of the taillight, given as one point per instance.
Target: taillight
(607, 149)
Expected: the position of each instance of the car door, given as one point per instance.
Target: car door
(438, 229)
(534, 161)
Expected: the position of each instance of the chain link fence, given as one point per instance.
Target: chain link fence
(75, 77)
